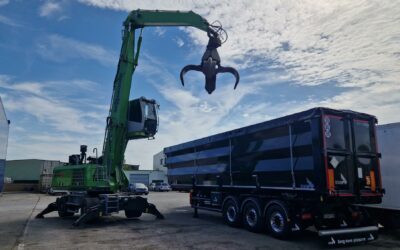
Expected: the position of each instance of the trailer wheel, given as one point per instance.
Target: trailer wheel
(277, 222)
(62, 208)
(132, 213)
(252, 220)
(231, 213)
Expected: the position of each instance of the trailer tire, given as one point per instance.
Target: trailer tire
(251, 216)
(230, 212)
(277, 221)
(132, 213)
(62, 208)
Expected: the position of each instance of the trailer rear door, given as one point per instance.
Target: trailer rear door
(351, 159)
(366, 158)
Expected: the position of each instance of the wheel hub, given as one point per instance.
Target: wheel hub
(251, 217)
(277, 222)
(231, 214)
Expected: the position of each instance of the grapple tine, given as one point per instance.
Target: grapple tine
(188, 68)
(210, 84)
(231, 70)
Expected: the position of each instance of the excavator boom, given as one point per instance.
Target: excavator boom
(147, 18)
(116, 137)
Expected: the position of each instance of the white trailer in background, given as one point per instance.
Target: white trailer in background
(388, 212)
(4, 129)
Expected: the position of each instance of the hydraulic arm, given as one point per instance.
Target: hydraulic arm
(116, 138)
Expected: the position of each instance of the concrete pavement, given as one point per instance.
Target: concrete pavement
(178, 231)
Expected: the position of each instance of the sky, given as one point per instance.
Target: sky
(58, 60)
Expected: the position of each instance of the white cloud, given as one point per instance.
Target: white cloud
(350, 43)
(48, 126)
(60, 49)
(29, 87)
(4, 2)
(40, 100)
(49, 8)
(128, 5)
(179, 42)
(381, 100)
(159, 31)
(7, 21)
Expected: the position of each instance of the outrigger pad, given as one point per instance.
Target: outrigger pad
(141, 204)
(50, 208)
(153, 210)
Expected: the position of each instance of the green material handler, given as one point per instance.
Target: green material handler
(97, 186)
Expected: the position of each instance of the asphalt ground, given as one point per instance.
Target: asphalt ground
(20, 230)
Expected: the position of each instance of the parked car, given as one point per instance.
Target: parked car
(52, 191)
(152, 186)
(138, 188)
(162, 187)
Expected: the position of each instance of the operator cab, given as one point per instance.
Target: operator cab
(142, 118)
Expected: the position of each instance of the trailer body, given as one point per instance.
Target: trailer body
(388, 212)
(313, 165)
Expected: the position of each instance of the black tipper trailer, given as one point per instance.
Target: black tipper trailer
(286, 174)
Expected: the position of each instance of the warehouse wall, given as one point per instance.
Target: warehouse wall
(30, 174)
(159, 162)
(24, 171)
(150, 174)
(4, 129)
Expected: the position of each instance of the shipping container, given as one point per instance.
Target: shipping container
(286, 174)
(37, 172)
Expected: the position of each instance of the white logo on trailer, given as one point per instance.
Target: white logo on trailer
(342, 180)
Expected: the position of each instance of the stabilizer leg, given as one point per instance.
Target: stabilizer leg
(50, 208)
(90, 215)
(154, 211)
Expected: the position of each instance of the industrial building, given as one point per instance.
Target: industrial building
(30, 174)
(158, 174)
(4, 129)
(145, 176)
(159, 162)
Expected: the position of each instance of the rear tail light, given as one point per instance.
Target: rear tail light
(191, 197)
(373, 181)
(331, 179)
(306, 216)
